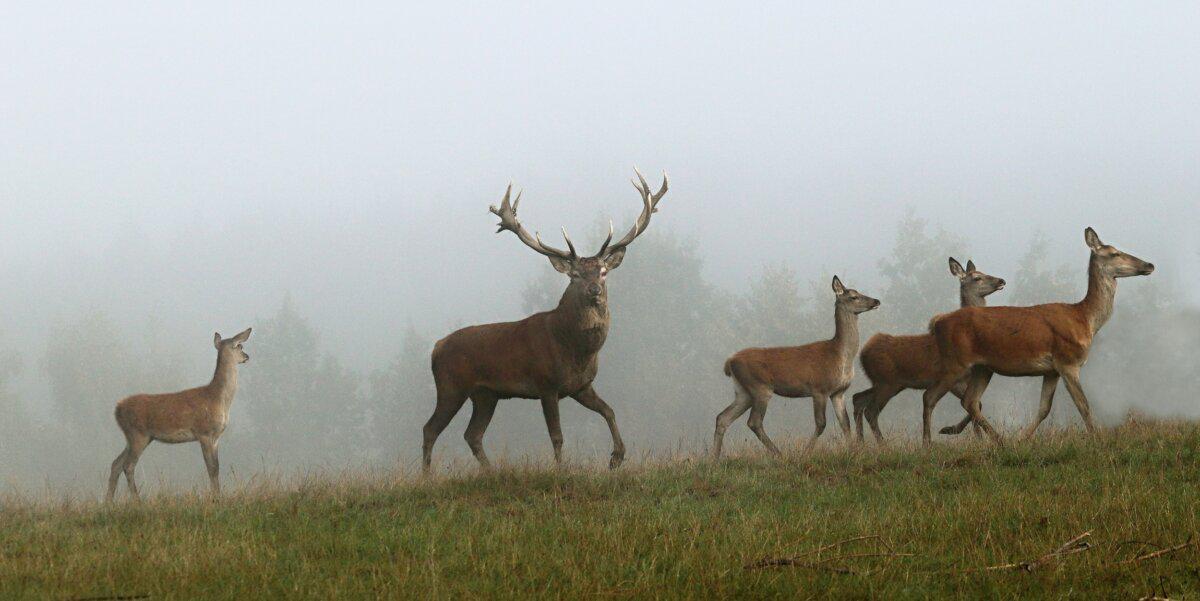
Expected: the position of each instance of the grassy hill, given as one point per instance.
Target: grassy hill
(897, 523)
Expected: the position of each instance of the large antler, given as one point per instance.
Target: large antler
(508, 221)
(649, 207)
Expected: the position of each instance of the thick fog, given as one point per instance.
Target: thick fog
(323, 175)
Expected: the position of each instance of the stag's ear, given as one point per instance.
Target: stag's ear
(217, 340)
(1093, 240)
(838, 288)
(613, 259)
(240, 338)
(956, 269)
(562, 265)
(970, 265)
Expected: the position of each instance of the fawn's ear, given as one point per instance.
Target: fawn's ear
(614, 258)
(838, 288)
(1092, 239)
(970, 265)
(240, 338)
(956, 269)
(217, 340)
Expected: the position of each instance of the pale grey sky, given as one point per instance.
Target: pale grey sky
(195, 162)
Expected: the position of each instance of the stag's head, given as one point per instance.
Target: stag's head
(1112, 262)
(972, 282)
(851, 299)
(588, 273)
(231, 348)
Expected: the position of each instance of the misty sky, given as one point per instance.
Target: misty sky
(195, 164)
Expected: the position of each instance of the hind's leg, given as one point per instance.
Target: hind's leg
(883, 395)
(861, 400)
(741, 402)
(114, 476)
(758, 412)
(960, 390)
(1049, 383)
(819, 403)
(137, 444)
(448, 404)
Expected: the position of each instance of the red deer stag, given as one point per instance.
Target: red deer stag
(896, 363)
(1050, 340)
(546, 356)
(198, 414)
(821, 370)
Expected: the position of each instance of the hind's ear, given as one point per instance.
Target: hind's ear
(1092, 239)
(217, 340)
(838, 288)
(242, 337)
(970, 265)
(956, 269)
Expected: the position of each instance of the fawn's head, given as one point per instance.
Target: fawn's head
(588, 274)
(1112, 262)
(852, 299)
(974, 283)
(231, 348)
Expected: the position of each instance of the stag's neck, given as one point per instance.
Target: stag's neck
(1098, 304)
(580, 325)
(225, 380)
(971, 300)
(845, 336)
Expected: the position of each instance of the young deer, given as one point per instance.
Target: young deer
(821, 370)
(197, 414)
(896, 363)
(1050, 340)
(546, 356)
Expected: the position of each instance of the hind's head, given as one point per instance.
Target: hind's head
(231, 348)
(1112, 262)
(852, 299)
(972, 283)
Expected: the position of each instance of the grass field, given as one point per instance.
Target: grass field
(933, 521)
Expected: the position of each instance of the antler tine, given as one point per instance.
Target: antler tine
(649, 207)
(508, 221)
(604, 247)
(569, 245)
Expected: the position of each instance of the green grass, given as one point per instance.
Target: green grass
(679, 529)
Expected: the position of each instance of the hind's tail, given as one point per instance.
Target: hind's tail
(729, 366)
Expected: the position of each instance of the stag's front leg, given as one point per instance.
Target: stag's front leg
(550, 410)
(588, 398)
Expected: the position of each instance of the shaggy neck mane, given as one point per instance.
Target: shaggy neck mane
(579, 324)
(1098, 304)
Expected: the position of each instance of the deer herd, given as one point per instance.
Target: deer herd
(555, 354)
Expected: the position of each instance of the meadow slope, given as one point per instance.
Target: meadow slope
(932, 522)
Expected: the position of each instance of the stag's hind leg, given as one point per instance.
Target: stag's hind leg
(483, 406)
(741, 403)
(448, 404)
(588, 398)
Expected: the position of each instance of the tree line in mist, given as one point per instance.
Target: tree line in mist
(299, 408)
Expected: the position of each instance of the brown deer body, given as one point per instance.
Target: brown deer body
(546, 356)
(194, 415)
(1050, 340)
(896, 363)
(820, 370)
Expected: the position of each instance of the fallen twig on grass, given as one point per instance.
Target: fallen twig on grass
(1071, 547)
(1158, 553)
